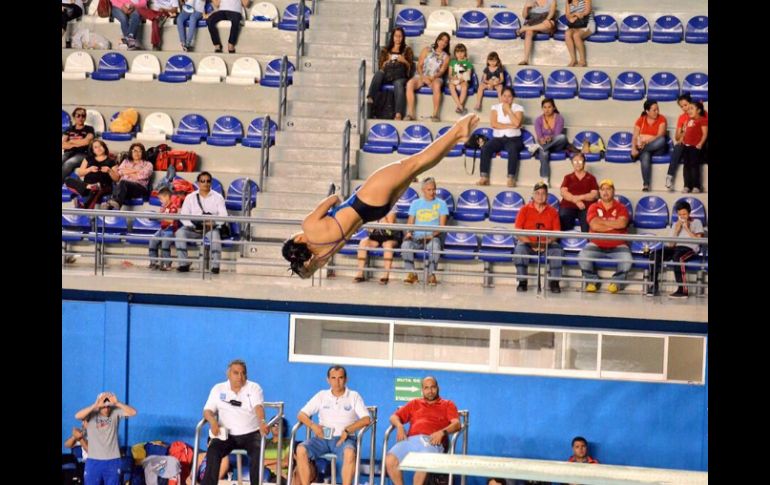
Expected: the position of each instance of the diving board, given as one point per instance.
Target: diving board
(547, 470)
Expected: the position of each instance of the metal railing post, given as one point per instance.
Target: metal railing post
(376, 36)
(345, 176)
(283, 89)
(361, 97)
(300, 34)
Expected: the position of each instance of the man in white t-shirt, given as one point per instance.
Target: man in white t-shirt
(235, 414)
(341, 412)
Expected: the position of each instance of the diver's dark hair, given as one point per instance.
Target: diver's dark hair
(296, 254)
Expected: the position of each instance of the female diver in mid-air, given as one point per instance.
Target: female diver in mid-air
(326, 229)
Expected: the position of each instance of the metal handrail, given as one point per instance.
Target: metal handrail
(376, 36)
(345, 178)
(362, 96)
(390, 11)
(283, 90)
(264, 152)
(300, 34)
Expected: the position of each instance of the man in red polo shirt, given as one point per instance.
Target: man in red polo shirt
(606, 216)
(539, 216)
(431, 420)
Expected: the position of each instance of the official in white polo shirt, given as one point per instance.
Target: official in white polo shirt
(341, 412)
(235, 414)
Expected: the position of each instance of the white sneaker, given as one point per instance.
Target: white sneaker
(669, 182)
(696, 190)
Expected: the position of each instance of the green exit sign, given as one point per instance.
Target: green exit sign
(408, 388)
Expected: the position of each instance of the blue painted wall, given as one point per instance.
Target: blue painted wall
(175, 354)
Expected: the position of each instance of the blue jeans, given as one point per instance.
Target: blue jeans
(676, 158)
(567, 216)
(558, 143)
(164, 244)
(185, 232)
(399, 90)
(655, 147)
(129, 25)
(433, 246)
(621, 254)
(187, 38)
(512, 145)
(524, 249)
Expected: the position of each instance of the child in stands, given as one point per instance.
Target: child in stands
(169, 205)
(492, 78)
(460, 71)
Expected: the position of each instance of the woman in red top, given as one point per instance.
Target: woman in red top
(695, 134)
(649, 139)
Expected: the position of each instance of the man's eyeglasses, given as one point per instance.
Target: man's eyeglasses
(235, 403)
(204, 181)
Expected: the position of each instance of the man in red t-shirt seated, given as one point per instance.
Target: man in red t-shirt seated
(431, 420)
(606, 216)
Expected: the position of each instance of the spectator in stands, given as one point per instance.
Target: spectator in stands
(506, 119)
(388, 239)
(680, 253)
(330, 226)
(98, 173)
(684, 102)
(70, 10)
(492, 78)
(539, 16)
(271, 451)
(695, 135)
(168, 205)
(103, 420)
(606, 216)
(578, 191)
(226, 10)
(432, 419)
(540, 216)
(341, 412)
(157, 15)
(126, 12)
(79, 437)
(425, 211)
(203, 201)
(549, 132)
(580, 451)
(236, 406)
(395, 66)
(460, 72)
(75, 142)
(649, 139)
(135, 173)
(189, 13)
(431, 67)
(581, 24)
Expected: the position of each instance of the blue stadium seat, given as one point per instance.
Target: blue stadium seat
(552, 200)
(506, 206)
(619, 148)
(460, 246)
(561, 84)
(66, 193)
(114, 229)
(403, 203)
(272, 76)
(412, 21)
(667, 30)
(638, 253)
(216, 186)
(561, 28)
(456, 150)
(629, 207)
(651, 213)
(448, 199)
(193, 129)
(253, 138)
(66, 121)
(472, 205)
(74, 227)
(606, 29)
(696, 84)
(634, 29)
(234, 199)
(473, 25)
(492, 93)
(697, 30)
(486, 131)
(593, 138)
(382, 138)
(351, 247)
(414, 138)
(629, 86)
(290, 17)
(528, 83)
(663, 86)
(112, 136)
(140, 229)
(179, 69)
(697, 210)
(572, 247)
(595, 85)
(666, 156)
(227, 243)
(472, 87)
(497, 248)
(504, 26)
(226, 132)
(112, 66)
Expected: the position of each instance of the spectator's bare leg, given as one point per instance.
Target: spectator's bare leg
(394, 470)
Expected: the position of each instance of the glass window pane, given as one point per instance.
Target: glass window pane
(332, 338)
(632, 354)
(441, 344)
(685, 359)
(581, 351)
(530, 348)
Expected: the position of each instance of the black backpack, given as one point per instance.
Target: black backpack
(384, 106)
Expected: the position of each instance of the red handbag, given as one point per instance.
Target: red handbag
(104, 9)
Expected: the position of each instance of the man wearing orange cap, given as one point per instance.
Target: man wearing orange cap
(606, 216)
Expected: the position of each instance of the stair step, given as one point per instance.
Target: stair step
(347, 9)
(289, 200)
(299, 123)
(332, 79)
(326, 110)
(300, 139)
(316, 185)
(329, 64)
(342, 37)
(338, 50)
(347, 96)
(305, 169)
(311, 155)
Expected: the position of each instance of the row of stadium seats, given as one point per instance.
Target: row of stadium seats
(667, 29)
(113, 66)
(193, 129)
